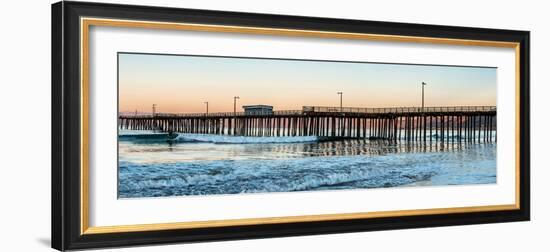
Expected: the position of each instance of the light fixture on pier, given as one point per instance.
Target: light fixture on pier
(341, 94)
(423, 84)
(235, 104)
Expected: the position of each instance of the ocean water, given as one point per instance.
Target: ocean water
(155, 164)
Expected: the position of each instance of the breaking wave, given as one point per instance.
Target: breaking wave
(210, 138)
(184, 137)
(253, 176)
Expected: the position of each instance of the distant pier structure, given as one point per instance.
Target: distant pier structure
(252, 110)
(445, 124)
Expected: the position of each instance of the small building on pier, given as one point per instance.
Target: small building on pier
(258, 110)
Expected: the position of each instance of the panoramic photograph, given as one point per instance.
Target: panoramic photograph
(192, 125)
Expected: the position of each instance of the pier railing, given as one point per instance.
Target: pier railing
(320, 109)
(221, 114)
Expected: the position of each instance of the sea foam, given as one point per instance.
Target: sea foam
(184, 137)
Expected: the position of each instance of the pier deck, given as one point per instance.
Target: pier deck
(468, 123)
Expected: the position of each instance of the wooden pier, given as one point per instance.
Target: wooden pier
(443, 124)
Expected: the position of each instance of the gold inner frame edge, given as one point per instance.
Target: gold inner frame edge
(85, 24)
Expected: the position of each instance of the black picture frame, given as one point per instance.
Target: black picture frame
(66, 124)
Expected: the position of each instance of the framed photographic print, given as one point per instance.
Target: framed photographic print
(181, 125)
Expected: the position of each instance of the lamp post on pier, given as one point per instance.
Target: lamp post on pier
(235, 105)
(154, 115)
(423, 84)
(340, 93)
(423, 115)
(206, 107)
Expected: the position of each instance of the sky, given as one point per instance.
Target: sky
(182, 84)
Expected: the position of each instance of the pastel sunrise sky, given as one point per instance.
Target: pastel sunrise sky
(181, 84)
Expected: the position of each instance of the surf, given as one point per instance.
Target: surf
(185, 137)
(174, 137)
